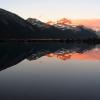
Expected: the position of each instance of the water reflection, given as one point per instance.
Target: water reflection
(13, 53)
(93, 54)
(39, 75)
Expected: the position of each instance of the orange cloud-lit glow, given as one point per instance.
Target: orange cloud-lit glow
(91, 23)
(62, 21)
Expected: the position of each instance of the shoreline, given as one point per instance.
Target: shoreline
(94, 41)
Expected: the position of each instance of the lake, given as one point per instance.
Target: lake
(49, 71)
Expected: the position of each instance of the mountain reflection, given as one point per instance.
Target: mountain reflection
(13, 53)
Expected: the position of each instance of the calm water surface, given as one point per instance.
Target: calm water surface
(49, 71)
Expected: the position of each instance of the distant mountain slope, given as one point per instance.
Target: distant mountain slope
(13, 26)
(38, 23)
(62, 31)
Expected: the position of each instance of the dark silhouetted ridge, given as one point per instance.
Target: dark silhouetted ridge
(14, 27)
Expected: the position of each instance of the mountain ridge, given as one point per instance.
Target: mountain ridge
(14, 27)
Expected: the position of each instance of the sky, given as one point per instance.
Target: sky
(54, 9)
